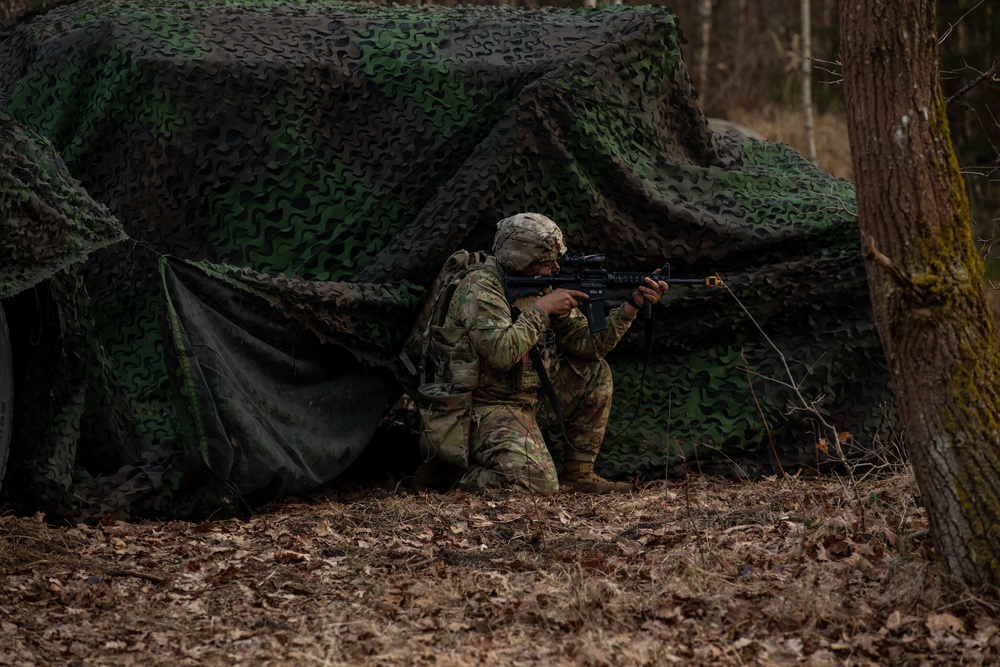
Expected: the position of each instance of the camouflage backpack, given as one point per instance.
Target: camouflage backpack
(448, 367)
(430, 348)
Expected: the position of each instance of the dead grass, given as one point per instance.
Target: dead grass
(784, 124)
(701, 571)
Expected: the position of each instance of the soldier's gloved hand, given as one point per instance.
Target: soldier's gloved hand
(650, 292)
(560, 301)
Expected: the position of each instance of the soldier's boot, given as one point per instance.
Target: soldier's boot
(579, 476)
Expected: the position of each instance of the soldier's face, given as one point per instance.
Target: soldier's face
(547, 268)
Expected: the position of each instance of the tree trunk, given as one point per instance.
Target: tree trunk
(10, 9)
(925, 276)
(806, 68)
(705, 20)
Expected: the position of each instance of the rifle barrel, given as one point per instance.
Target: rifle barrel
(632, 279)
(619, 279)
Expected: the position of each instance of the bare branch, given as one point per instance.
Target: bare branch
(975, 82)
(832, 67)
(960, 19)
(792, 382)
(904, 281)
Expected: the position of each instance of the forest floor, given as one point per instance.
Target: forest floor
(699, 571)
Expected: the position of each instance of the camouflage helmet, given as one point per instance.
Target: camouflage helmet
(526, 238)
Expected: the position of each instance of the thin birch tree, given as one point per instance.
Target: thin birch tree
(806, 69)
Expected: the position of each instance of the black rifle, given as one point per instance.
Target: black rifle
(584, 274)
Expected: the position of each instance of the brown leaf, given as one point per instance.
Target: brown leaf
(292, 556)
(840, 548)
(823, 658)
(983, 635)
(896, 619)
(940, 625)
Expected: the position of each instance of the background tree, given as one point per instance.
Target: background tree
(10, 9)
(704, 49)
(805, 66)
(924, 273)
(970, 47)
(754, 79)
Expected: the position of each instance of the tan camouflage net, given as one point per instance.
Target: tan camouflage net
(352, 148)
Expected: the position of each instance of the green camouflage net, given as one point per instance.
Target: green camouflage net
(48, 225)
(352, 148)
(47, 220)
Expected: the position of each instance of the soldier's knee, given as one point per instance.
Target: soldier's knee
(600, 382)
(584, 373)
(603, 377)
(539, 484)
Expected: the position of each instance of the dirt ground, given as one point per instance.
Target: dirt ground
(700, 571)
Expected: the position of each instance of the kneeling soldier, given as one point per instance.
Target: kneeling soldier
(509, 410)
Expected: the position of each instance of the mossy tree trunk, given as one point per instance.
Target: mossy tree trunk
(925, 276)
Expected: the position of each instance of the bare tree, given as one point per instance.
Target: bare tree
(705, 22)
(10, 9)
(925, 276)
(806, 68)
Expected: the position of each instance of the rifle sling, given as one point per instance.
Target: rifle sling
(648, 333)
(535, 354)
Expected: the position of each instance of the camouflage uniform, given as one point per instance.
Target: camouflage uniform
(510, 412)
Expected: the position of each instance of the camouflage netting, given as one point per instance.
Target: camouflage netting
(352, 148)
(48, 225)
(47, 220)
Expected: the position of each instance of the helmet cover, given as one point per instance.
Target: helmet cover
(526, 239)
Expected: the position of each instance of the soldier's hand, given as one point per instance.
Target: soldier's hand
(560, 301)
(648, 293)
(652, 290)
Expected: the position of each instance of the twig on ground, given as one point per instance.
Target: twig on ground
(135, 573)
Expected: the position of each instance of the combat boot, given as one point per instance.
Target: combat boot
(579, 476)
